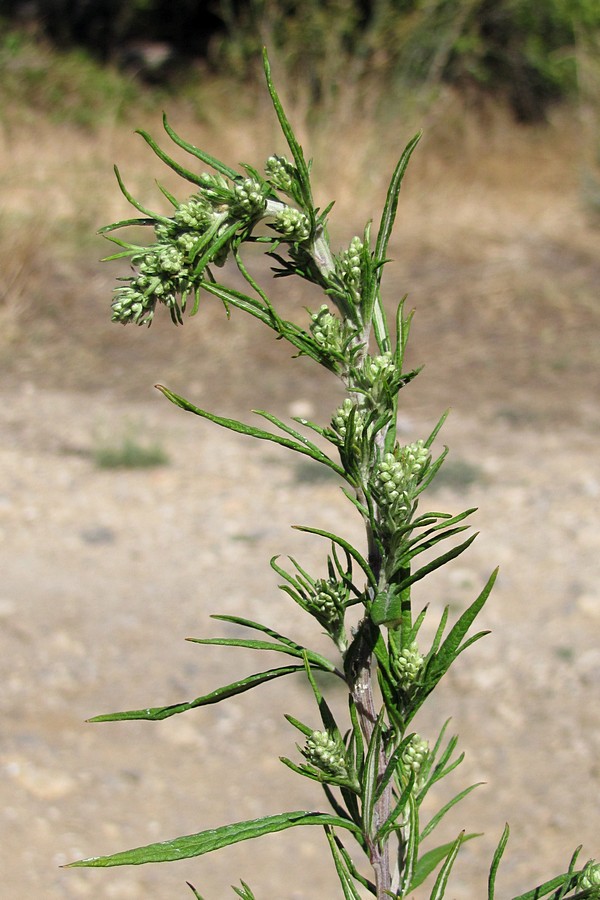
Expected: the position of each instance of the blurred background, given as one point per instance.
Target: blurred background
(121, 525)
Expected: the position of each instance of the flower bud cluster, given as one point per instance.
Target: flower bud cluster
(162, 276)
(396, 476)
(326, 753)
(590, 878)
(327, 330)
(377, 379)
(249, 198)
(341, 418)
(281, 173)
(415, 754)
(292, 224)
(349, 268)
(166, 270)
(407, 665)
(329, 602)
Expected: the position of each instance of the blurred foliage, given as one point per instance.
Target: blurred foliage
(66, 85)
(526, 51)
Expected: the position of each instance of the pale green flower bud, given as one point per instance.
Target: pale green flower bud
(249, 197)
(194, 214)
(326, 328)
(171, 261)
(407, 666)
(129, 305)
(280, 173)
(292, 224)
(215, 189)
(326, 753)
(391, 485)
(396, 477)
(339, 421)
(377, 367)
(590, 878)
(186, 241)
(414, 458)
(329, 601)
(349, 268)
(415, 754)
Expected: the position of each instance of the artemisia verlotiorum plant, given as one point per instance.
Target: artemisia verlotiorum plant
(374, 770)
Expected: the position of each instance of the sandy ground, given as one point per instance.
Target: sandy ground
(105, 572)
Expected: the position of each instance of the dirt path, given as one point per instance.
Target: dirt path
(105, 573)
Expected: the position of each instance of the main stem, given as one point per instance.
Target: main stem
(359, 668)
(360, 671)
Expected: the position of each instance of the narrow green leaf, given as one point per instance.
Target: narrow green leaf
(241, 428)
(206, 158)
(350, 892)
(397, 810)
(327, 717)
(436, 563)
(147, 212)
(281, 643)
(125, 223)
(316, 661)
(191, 845)
(295, 148)
(436, 819)
(391, 204)
(555, 884)
(341, 542)
(244, 892)
(157, 713)
(431, 860)
(369, 775)
(496, 862)
(287, 429)
(436, 430)
(411, 833)
(194, 891)
(441, 882)
(213, 246)
(171, 163)
(450, 648)
(314, 774)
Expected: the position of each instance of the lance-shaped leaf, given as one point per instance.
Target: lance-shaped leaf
(453, 646)
(341, 867)
(345, 545)
(157, 713)
(435, 820)
(441, 882)
(280, 644)
(206, 158)
(496, 862)
(191, 845)
(295, 148)
(436, 563)
(244, 892)
(369, 776)
(411, 850)
(558, 887)
(431, 860)
(372, 307)
(307, 449)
